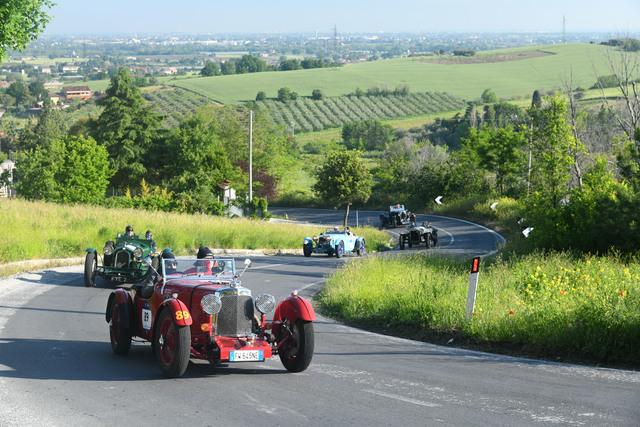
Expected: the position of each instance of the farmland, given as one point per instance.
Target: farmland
(310, 115)
(516, 77)
(174, 103)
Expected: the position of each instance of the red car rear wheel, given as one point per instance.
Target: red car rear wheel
(172, 344)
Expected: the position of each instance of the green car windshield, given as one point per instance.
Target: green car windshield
(198, 268)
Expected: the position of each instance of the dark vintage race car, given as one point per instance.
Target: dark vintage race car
(416, 235)
(197, 308)
(125, 260)
(396, 217)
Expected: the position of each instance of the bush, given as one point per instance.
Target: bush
(261, 96)
(317, 95)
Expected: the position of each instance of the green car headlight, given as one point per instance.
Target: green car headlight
(137, 254)
(211, 304)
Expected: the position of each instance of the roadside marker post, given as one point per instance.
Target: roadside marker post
(473, 286)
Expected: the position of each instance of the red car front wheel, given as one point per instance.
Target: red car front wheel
(172, 344)
(297, 352)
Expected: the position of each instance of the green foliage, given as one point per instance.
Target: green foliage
(50, 126)
(489, 96)
(499, 150)
(343, 178)
(22, 22)
(602, 82)
(19, 91)
(289, 64)
(47, 230)
(552, 144)
(286, 94)
(228, 67)
(68, 170)
(250, 64)
(261, 96)
(550, 305)
(126, 127)
(211, 68)
(369, 135)
(317, 95)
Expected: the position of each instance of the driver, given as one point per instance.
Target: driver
(210, 264)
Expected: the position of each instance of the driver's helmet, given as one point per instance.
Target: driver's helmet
(148, 235)
(128, 231)
(204, 252)
(336, 229)
(170, 264)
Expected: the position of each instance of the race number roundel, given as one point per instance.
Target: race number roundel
(147, 320)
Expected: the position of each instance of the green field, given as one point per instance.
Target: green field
(308, 115)
(509, 77)
(551, 305)
(48, 230)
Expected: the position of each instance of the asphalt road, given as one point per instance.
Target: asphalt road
(56, 368)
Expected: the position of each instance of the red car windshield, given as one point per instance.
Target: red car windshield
(198, 268)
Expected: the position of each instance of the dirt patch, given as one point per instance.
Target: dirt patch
(486, 59)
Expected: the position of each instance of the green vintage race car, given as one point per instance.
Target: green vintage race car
(125, 260)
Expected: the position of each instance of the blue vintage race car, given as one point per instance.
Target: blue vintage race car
(334, 242)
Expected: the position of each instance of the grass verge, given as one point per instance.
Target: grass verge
(554, 305)
(46, 230)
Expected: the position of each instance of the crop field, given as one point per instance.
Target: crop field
(174, 103)
(305, 114)
(516, 75)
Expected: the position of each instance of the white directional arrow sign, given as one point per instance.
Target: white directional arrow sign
(493, 206)
(520, 221)
(438, 200)
(527, 231)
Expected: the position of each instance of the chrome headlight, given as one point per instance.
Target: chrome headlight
(137, 254)
(211, 304)
(265, 303)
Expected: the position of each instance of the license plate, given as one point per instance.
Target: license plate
(246, 356)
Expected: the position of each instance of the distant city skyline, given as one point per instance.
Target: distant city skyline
(356, 16)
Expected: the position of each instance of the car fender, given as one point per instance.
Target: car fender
(89, 250)
(307, 241)
(125, 305)
(293, 308)
(178, 308)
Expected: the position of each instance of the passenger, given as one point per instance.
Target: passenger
(128, 231)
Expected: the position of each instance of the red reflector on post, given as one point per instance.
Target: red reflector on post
(475, 265)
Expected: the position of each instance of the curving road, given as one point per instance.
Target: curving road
(56, 368)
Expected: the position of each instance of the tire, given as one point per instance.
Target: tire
(339, 251)
(298, 358)
(306, 250)
(119, 334)
(401, 243)
(361, 250)
(172, 345)
(90, 267)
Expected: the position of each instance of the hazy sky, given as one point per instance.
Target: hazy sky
(275, 16)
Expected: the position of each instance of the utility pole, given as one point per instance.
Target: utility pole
(250, 155)
(564, 29)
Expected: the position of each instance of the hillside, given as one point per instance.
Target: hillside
(509, 72)
(308, 115)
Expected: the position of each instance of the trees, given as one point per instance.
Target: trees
(261, 96)
(289, 64)
(49, 127)
(286, 94)
(21, 22)
(69, 170)
(370, 135)
(210, 68)
(228, 67)
(343, 179)
(250, 64)
(19, 91)
(38, 91)
(317, 95)
(489, 96)
(126, 128)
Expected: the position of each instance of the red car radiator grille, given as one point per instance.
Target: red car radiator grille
(236, 316)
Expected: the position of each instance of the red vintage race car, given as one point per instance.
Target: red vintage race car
(197, 308)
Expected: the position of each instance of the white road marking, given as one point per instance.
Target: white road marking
(403, 399)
